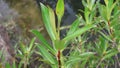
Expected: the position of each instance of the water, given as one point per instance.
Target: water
(26, 15)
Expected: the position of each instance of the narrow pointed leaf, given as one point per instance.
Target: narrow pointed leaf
(46, 20)
(110, 53)
(78, 32)
(31, 44)
(105, 36)
(52, 21)
(23, 48)
(46, 55)
(76, 59)
(43, 40)
(60, 9)
(74, 26)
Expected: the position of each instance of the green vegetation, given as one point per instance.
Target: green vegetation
(93, 40)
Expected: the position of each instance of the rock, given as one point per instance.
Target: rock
(5, 47)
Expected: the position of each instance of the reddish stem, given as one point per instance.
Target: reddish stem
(58, 58)
(109, 26)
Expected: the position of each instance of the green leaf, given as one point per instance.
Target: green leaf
(78, 32)
(106, 2)
(76, 59)
(60, 9)
(74, 26)
(72, 61)
(105, 36)
(46, 19)
(110, 8)
(110, 53)
(23, 48)
(14, 65)
(52, 21)
(103, 45)
(31, 44)
(7, 65)
(46, 55)
(86, 54)
(59, 44)
(43, 40)
(84, 3)
(92, 3)
(103, 11)
(110, 3)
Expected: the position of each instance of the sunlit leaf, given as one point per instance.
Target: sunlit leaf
(78, 32)
(7, 65)
(105, 36)
(46, 55)
(76, 59)
(23, 48)
(59, 44)
(103, 11)
(46, 19)
(74, 26)
(43, 40)
(52, 21)
(110, 53)
(106, 2)
(31, 44)
(60, 9)
(14, 65)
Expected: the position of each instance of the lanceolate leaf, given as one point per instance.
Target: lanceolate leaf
(103, 11)
(46, 19)
(105, 36)
(78, 32)
(31, 44)
(43, 40)
(76, 59)
(46, 55)
(73, 60)
(106, 2)
(87, 54)
(60, 9)
(110, 53)
(23, 48)
(52, 21)
(103, 45)
(74, 26)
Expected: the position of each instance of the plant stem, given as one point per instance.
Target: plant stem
(110, 30)
(59, 59)
(58, 27)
